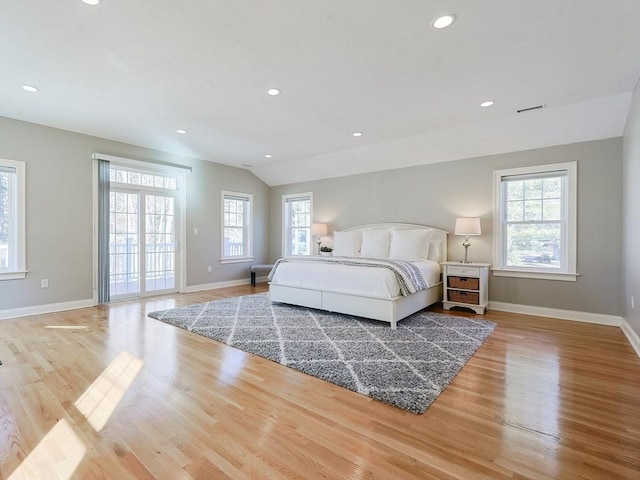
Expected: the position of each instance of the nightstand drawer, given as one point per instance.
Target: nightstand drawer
(472, 298)
(463, 271)
(467, 283)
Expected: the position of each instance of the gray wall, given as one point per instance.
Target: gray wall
(204, 184)
(438, 193)
(60, 212)
(631, 213)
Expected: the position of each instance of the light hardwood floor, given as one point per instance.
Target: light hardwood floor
(132, 397)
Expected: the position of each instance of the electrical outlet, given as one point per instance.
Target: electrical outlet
(633, 303)
(209, 269)
(44, 283)
(195, 231)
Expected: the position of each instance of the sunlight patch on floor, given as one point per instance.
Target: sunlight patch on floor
(56, 456)
(99, 401)
(61, 450)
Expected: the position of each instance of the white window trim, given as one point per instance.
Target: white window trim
(570, 273)
(285, 232)
(236, 259)
(19, 270)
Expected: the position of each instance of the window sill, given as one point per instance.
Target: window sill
(236, 260)
(564, 277)
(13, 275)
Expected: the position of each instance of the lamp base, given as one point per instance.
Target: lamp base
(466, 244)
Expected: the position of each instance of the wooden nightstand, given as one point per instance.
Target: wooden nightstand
(465, 285)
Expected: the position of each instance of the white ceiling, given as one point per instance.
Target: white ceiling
(136, 70)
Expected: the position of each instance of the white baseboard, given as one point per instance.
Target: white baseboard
(216, 285)
(632, 336)
(574, 315)
(43, 309)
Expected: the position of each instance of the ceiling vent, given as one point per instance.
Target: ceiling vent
(522, 110)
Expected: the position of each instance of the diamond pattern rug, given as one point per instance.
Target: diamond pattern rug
(408, 367)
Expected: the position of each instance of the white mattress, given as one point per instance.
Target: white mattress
(370, 282)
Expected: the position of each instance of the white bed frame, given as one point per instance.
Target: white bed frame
(385, 309)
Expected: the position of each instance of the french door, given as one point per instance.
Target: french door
(142, 243)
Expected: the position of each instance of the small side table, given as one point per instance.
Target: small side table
(465, 285)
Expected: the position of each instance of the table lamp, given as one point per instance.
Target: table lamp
(318, 229)
(467, 226)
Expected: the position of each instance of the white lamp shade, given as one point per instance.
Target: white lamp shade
(468, 226)
(319, 229)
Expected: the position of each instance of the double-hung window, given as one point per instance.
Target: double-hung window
(535, 222)
(236, 226)
(12, 220)
(297, 210)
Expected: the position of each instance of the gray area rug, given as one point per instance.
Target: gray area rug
(408, 367)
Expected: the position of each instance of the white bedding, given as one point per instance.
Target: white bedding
(371, 282)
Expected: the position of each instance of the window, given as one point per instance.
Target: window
(12, 220)
(297, 215)
(535, 222)
(236, 226)
(144, 179)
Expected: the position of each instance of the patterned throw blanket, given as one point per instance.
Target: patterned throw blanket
(408, 276)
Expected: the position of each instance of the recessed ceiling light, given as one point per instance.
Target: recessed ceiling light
(444, 21)
(267, 156)
(30, 88)
(91, 2)
(488, 103)
(357, 134)
(181, 130)
(273, 92)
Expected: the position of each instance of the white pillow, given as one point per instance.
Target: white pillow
(375, 243)
(434, 250)
(347, 244)
(409, 245)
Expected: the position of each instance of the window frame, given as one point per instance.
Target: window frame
(248, 228)
(286, 229)
(17, 268)
(568, 271)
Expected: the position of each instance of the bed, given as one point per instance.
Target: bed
(377, 292)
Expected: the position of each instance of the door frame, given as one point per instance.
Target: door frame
(180, 172)
(142, 193)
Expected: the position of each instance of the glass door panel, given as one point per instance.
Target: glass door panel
(160, 243)
(124, 244)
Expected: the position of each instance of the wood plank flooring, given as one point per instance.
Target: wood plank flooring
(121, 396)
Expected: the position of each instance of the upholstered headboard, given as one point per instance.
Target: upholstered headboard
(438, 234)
